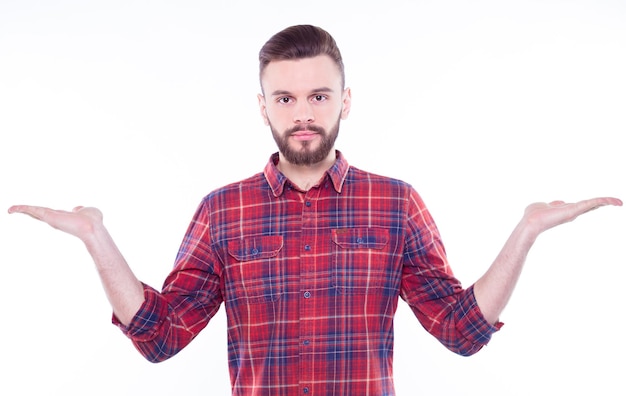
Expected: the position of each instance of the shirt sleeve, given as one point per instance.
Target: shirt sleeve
(446, 310)
(169, 320)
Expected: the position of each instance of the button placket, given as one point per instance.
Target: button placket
(307, 286)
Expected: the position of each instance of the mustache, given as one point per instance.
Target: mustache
(300, 128)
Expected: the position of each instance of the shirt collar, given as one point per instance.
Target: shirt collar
(336, 173)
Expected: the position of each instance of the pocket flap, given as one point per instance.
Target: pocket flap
(361, 238)
(255, 248)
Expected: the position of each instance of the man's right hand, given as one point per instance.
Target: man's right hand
(123, 289)
(80, 222)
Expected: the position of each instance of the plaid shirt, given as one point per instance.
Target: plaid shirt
(310, 282)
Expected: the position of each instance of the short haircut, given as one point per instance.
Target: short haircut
(299, 42)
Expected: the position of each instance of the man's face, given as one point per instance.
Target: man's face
(303, 104)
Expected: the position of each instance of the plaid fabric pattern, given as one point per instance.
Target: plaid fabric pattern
(310, 281)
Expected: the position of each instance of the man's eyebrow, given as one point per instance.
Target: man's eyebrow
(281, 92)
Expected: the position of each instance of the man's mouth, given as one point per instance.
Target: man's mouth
(304, 135)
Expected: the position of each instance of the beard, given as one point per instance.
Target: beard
(304, 154)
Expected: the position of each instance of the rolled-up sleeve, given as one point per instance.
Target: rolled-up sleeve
(446, 310)
(169, 320)
(145, 324)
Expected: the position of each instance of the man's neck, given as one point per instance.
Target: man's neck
(306, 176)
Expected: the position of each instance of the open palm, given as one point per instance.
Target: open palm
(543, 216)
(80, 222)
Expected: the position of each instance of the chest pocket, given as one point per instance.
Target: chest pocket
(255, 272)
(360, 259)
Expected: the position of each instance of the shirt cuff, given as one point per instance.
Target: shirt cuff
(472, 324)
(147, 321)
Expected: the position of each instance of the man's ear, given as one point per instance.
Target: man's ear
(347, 103)
(263, 108)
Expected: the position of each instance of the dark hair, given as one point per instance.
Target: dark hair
(298, 42)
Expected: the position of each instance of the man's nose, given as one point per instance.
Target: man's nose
(303, 113)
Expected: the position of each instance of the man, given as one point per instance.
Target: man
(310, 256)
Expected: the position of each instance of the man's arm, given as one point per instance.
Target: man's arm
(495, 287)
(123, 289)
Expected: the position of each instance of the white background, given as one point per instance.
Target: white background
(142, 107)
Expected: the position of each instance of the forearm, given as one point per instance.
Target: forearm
(493, 290)
(123, 290)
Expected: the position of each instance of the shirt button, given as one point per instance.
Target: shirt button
(307, 294)
(306, 342)
(307, 247)
(305, 390)
(308, 203)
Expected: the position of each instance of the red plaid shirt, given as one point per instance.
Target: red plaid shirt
(310, 282)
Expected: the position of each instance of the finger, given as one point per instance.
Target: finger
(36, 212)
(609, 201)
(595, 203)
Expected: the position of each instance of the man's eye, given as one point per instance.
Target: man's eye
(319, 98)
(284, 100)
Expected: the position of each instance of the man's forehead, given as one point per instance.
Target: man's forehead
(306, 73)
